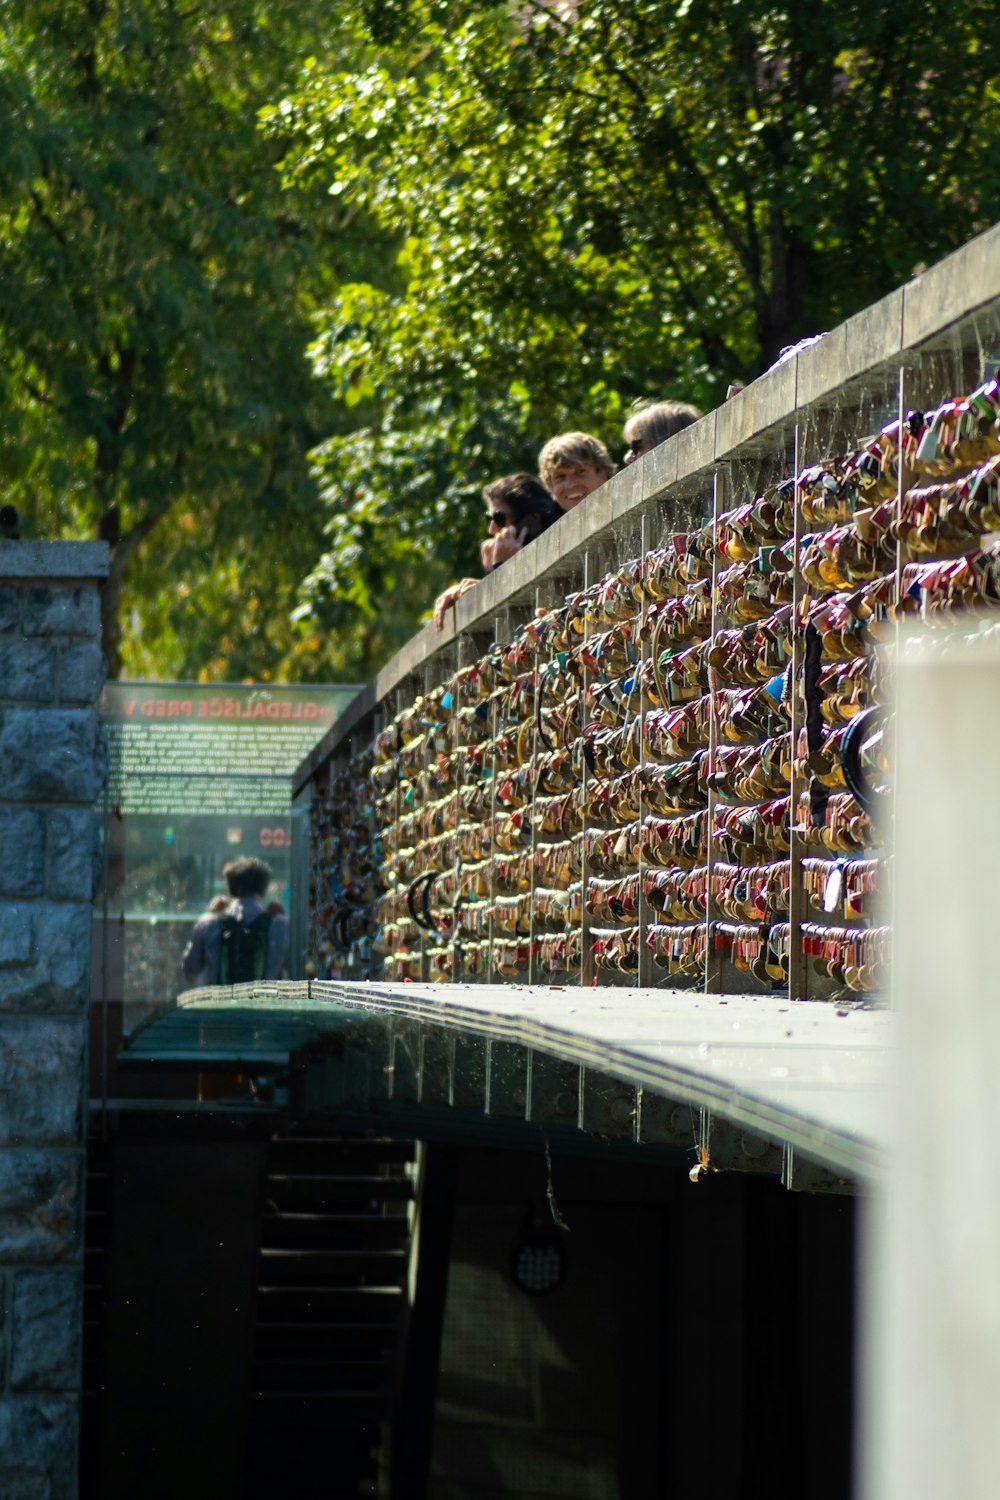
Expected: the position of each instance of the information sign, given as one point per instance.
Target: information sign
(198, 775)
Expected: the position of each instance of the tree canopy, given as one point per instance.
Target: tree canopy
(608, 199)
(156, 296)
(278, 394)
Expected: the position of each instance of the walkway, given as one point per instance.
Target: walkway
(804, 1078)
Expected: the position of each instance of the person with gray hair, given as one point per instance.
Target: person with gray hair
(653, 423)
(572, 466)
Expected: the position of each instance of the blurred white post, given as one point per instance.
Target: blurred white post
(929, 1405)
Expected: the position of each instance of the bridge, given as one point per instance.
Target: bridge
(599, 906)
(590, 983)
(753, 1083)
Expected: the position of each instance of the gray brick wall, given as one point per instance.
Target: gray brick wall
(51, 770)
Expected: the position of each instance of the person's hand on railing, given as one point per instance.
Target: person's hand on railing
(451, 595)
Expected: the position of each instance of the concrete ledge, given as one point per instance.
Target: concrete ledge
(956, 287)
(37, 559)
(748, 419)
(813, 1077)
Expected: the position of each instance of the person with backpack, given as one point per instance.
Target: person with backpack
(244, 942)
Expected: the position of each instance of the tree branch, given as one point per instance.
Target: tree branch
(133, 538)
(47, 220)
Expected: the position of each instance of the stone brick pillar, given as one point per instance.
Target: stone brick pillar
(51, 770)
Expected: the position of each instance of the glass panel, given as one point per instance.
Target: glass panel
(198, 775)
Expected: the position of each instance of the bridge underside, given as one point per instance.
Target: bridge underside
(756, 1084)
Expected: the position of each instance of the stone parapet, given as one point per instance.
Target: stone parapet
(51, 771)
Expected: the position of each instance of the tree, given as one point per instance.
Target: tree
(156, 300)
(602, 199)
(404, 515)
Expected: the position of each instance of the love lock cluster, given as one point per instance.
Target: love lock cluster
(680, 774)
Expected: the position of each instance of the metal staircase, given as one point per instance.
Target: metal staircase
(330, 1304)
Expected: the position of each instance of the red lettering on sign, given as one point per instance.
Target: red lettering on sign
(275, 838)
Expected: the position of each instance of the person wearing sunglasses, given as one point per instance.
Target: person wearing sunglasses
(518, 508)
(652, 424)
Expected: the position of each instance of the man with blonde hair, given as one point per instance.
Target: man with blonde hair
(572, 466)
